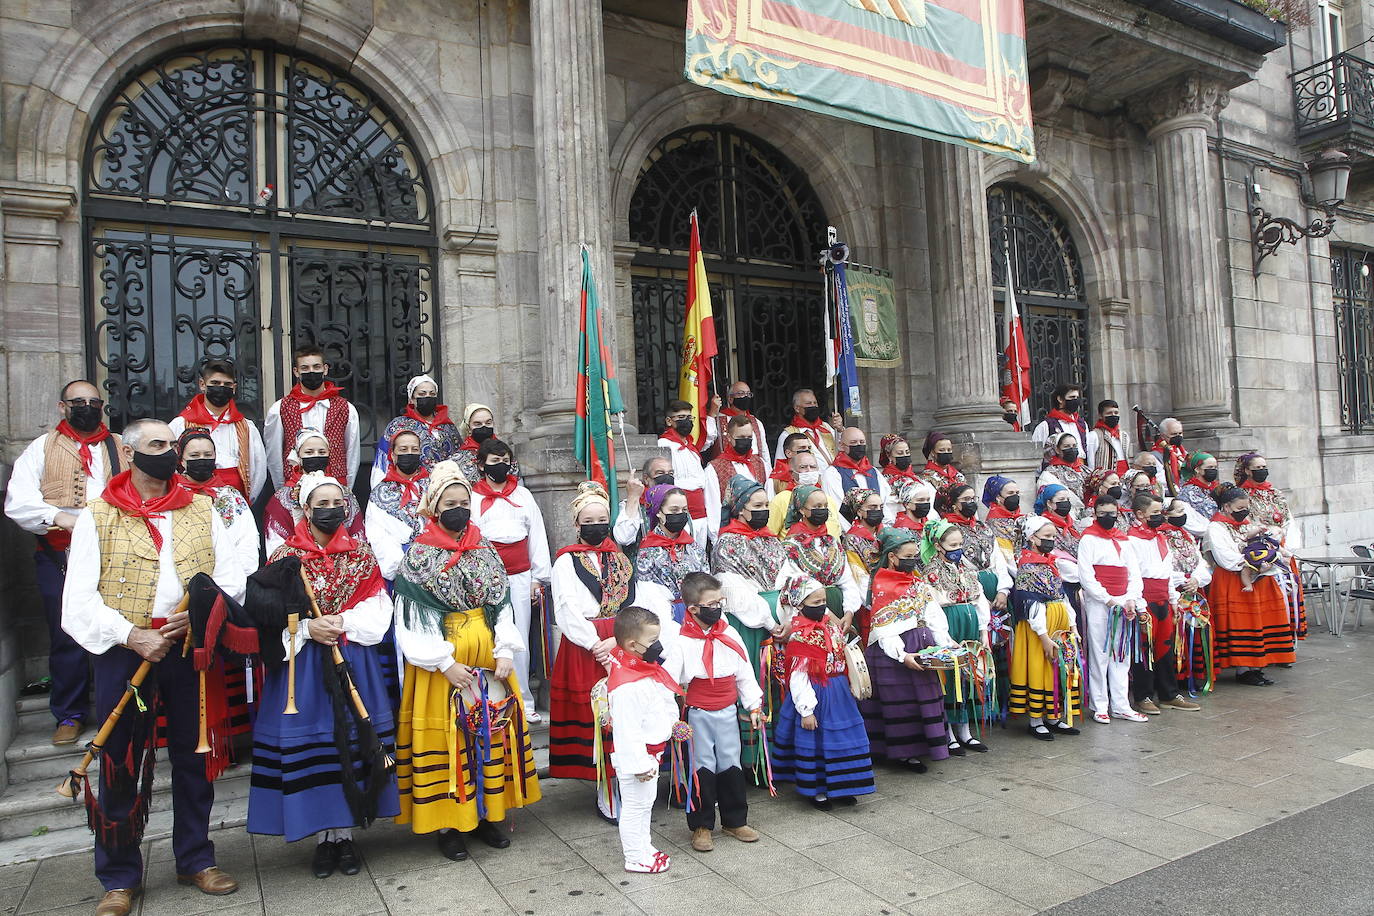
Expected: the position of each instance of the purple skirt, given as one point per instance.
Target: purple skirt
(905, 717)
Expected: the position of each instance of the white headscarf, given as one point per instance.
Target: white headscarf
(471, 409)
(1033, 523)
(417, 382)
(306, 433)
(312, 482)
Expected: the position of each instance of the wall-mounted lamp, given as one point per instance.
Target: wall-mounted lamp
(1330, 176)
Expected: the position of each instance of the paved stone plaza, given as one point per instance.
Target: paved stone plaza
(1018, 830)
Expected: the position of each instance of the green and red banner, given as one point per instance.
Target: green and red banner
(598, 394)
(950, 70)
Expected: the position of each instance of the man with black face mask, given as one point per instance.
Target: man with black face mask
(851, 468)
(689, 475)
(806, 419)
(1108, 444)
(318, 403)
(1156, 685)
(1172, 452)
(51, 483)
(738, 455)
(425, 417)
(240, 458)
(1065, 416)
(741, 404)
(137, 546)
(710, 662)
(508, 516)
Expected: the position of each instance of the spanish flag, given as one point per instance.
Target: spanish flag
(698, 339)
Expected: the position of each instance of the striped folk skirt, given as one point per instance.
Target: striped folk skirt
(905, 717)
(963, 627)
(296, 788)
(1033, 678)
(1252, 629)
(575, 673)
(439, 782)
(831, 760)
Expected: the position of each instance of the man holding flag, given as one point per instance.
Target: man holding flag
(598, 394)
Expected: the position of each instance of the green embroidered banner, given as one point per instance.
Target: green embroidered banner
(873, 317)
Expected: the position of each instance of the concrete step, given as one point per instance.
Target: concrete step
(33, 712)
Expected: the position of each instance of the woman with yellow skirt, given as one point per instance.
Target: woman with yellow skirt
(1045, 684)
(463, 756)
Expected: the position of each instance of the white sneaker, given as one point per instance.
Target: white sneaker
(1131, 716)
(659, 864)
(532, 717)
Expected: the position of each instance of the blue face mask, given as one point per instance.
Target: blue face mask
(955, 556)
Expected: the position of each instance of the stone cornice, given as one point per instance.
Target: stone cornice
(55, 202)
(1190, 95)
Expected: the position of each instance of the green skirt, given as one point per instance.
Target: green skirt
(963, 627)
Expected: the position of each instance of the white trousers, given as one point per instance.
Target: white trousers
(636, 807)
(520, 604)
(1108, 680)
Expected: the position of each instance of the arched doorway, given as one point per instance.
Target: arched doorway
(240, 201)
(1048, 278)
(761, 226)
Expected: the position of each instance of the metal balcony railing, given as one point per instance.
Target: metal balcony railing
(1334, 95)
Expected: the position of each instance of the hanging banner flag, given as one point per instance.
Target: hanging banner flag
(846, 372)
(598, 392)
(950, 70)
(872, 317)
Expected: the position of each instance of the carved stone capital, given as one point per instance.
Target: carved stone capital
(1190, 94)
(279, 20)
(1053, 87)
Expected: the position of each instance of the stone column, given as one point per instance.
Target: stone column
(1178, 118)
(571, 161)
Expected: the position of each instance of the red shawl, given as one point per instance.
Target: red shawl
(440, 417)
(85, 440)
(691, 628)
(490, 494)
(121, 493)
(627, 668)
(436, 535)
(809, 647)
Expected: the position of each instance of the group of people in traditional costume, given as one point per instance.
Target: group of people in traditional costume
(736, 620)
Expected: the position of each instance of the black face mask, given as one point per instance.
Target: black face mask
(594, 533)
(315, 463)
(1012, 503)
(1209, 475)
(497, 472)
(455, 519)
(818, 516)
(874, 517)
(813, 612)
(921, 510)
(481, 434)
(426, 406)
(943, 458)
(758, 519)
(968, 510)
(653, 654)
(1063, 509)
(1009, 416)
(1111, 422)
(683, 426)
(744, 445)
(1114, 492)
(708, 616)
(1177, 520)
(1176, 440)
(311, 380)
(1240, 515)
(663, 480)
(1071, 404)
(811, 414)
(1154, 521)
(858, 452)
(903, 462)
(675, 521)
(408, 464)
(1045, 547)
(85, 418)
(906, 564)
(744, 402)
(219, 395)
(158, 467)
(1070, 455)
(1149, 472)
(200, 469)
(1259, 475)
(1107, 522)
(327, 520)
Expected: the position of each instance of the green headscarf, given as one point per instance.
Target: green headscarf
(889, 539)
(794, 506)
(1190, 467)
(930, 538)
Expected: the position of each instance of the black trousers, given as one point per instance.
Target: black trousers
(719, 779)
(1161, 683)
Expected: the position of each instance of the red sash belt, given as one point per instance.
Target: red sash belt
(657, 749)
(515, 555)
(1156, 591)
(230, 477)
(1113, 579)
(696, 503)
(712, 693)
(59, 539)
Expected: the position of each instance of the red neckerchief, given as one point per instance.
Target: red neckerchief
(742, 528)
(490, 494)
(842, 460)
(804, 532)
(410, 489)
(861, 530)
(121, 493)
(307, 400)
(606, 546)
(954, 518)
(655, 539)
(677, 439)
(1115, 534)
(627, 668)
(727, 451)
(1057, 414)
(1029, 557)
(439, 419)
(1060, 522)
(803, 423)
(1251, 485)
(1146, 533)
(197, 413)
(85, 440)
(891, 471)
(691, 627)
(205, 488)
(997, 510)
(1220, 516)
(948, 471)
(904, 520)
(1114, 431)
(339, 542)
(469, 445)
(436, 535)
(1184, 531)
(782, 472)
(1202, 484)
(1058, 462)
(736, 412)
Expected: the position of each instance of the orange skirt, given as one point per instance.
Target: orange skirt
(1252, 629)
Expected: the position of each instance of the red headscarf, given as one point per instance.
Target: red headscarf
(121, 493)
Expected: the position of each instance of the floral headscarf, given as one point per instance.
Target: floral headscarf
(885, 446)
(442, 476)
(800, 495)
(737, 494)
(1242, 474)
(1193, 466)
(849, 507)
(589, 493)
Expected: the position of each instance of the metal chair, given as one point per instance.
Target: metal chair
(1317, 595)
(1361, 587)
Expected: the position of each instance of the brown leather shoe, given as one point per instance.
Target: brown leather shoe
(744, 833)
(213, 880)
(701, 840)
(67, 732)
(117, 902)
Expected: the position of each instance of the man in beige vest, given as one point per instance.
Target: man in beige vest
(51, 482)
(136, 547)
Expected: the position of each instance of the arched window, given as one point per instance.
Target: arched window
(1048, 280)
(761, 227)
(242, 201)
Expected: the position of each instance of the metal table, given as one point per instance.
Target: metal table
(1336, 599)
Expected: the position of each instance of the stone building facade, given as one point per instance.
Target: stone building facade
(523, 130)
